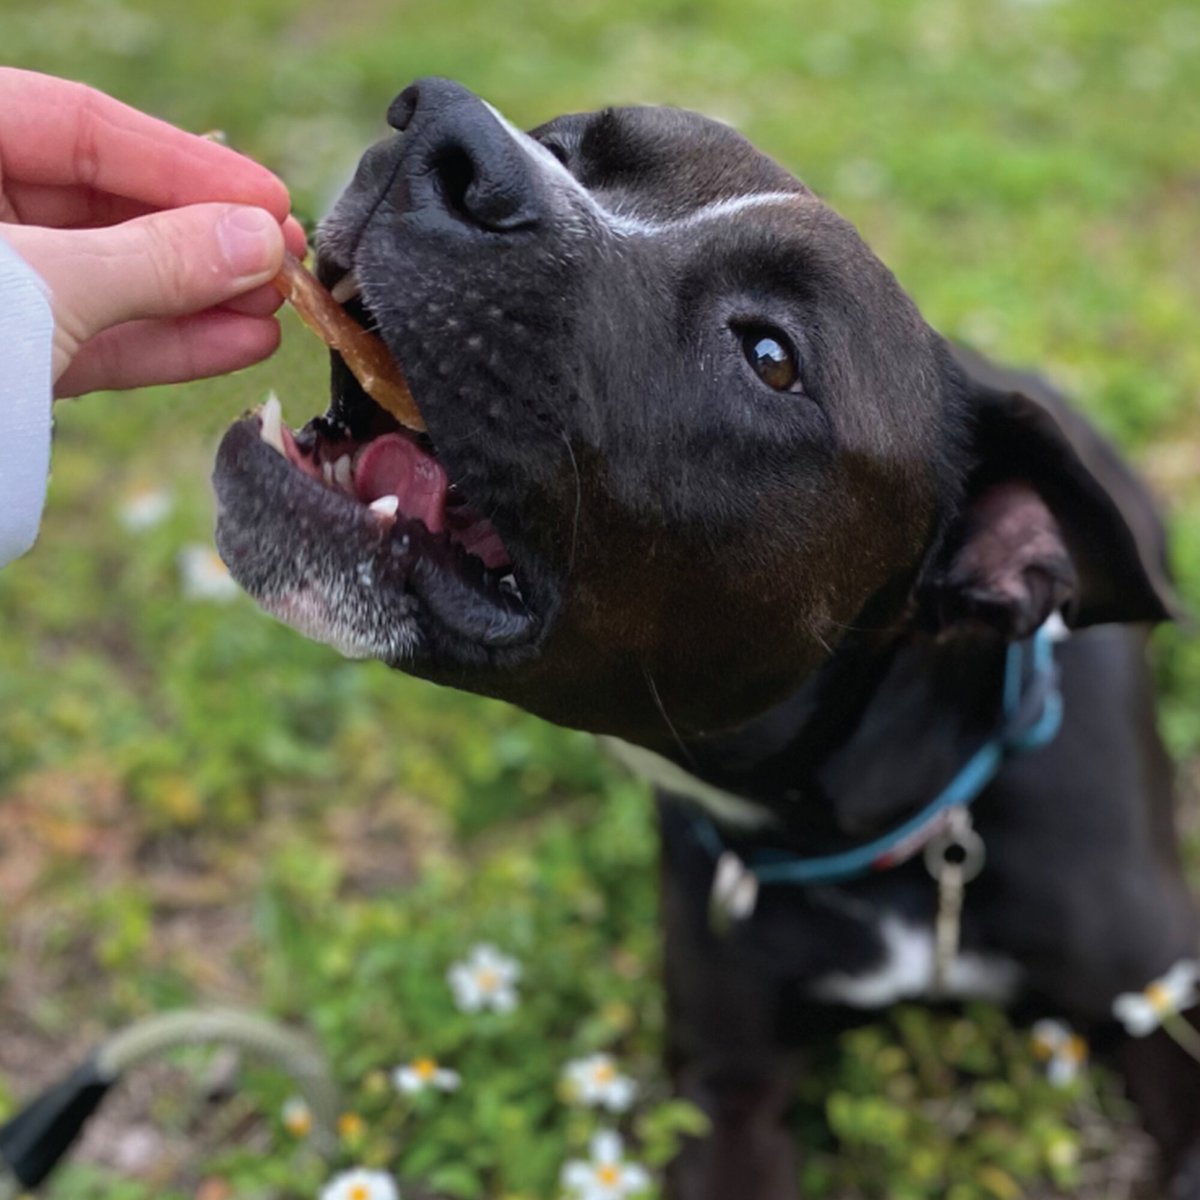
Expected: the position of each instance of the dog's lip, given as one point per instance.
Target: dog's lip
(453, 586)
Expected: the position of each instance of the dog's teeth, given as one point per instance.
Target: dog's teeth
(342, 473)
(271, 416)
(327, 472)
(385, 506)
(346, 288)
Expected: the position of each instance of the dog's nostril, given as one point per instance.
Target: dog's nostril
(400, 111)
(455, 173)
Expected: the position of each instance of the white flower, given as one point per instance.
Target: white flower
(595, 1081)
(204, 576)
(424, 1073)
(486, 979)
(607, 1176)
(1143, 1012)
(144, 508)
(297, 1117)
(1063, 1051)
(361, 1184)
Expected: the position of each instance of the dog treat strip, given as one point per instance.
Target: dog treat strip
(364, 354)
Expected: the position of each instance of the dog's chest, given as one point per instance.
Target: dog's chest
(905, 968)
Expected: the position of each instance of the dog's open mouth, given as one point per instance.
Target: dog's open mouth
(352, 530)
(398, 479)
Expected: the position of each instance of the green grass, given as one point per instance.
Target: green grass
(200, 806)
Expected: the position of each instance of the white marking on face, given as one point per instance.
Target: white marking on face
(336, 616)
(627, 225)
(907, 973)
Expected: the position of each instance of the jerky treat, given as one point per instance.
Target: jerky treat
(364, 354)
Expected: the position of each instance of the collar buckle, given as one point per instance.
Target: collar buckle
(734, 894)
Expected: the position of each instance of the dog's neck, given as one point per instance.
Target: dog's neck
(867, 741)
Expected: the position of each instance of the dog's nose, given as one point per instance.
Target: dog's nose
(460, 156)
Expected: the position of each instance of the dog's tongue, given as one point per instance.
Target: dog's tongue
(395, 466)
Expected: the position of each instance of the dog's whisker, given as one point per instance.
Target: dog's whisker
(658, 703)
(578, 503)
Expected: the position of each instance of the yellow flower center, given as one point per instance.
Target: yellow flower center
(359, 1191)
(425, 1068)
(298, 1123)
(1159, 997)
(487, 979)
(609, 1175)
(1076, 1049)
(350, 1125)
(604, 1072)
(1042, 1049)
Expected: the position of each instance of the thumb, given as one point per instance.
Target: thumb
(166, 264)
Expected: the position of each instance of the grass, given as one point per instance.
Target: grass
(199, 806)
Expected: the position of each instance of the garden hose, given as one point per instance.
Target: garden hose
(33, 1141)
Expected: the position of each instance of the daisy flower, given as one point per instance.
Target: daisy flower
(144, 508)
(596, 1082)
(485, 979)
(423, 1073)
(297, 1117)
(606, 1176)
(361, 1184)
(1143, 1012)
(204, 576)
(1063, 1051)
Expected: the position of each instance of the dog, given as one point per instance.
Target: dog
(699, 478)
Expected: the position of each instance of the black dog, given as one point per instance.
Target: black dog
(700, 477)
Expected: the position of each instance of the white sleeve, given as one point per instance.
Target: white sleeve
(26, 342)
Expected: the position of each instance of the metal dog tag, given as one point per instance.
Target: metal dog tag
(953, 857)
(734, 894)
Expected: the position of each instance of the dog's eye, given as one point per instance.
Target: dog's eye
(771, 355)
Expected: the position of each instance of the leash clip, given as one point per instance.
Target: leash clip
(734, 894)
(955, 849)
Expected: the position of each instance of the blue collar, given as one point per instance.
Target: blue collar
(1032, 714)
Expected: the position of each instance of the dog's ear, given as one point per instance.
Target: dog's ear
(1051, 518)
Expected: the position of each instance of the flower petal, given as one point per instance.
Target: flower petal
(635, 1178)
(577, 1174)
(1136, 1013)
(619, 1094)
(607, 1147)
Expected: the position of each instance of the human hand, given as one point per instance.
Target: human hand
(156, 245)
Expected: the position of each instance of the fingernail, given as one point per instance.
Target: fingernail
(250, 239)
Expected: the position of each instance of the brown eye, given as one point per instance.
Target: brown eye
(771, 355)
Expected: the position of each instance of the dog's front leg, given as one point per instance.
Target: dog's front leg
(725, 1051)
(1163, 1080)
(749, 1153)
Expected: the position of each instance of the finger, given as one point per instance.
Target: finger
(147, 352)
(294, 235)
(56, 132)
(261, 302)
(166, 264)
(70, 207)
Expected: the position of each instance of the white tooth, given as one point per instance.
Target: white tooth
(385, 506)
(342, 473)
(271, 416)
(327, 471)
(346, 288)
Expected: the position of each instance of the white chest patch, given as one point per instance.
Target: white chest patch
(907, 972)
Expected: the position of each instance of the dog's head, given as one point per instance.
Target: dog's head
(684, 431)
